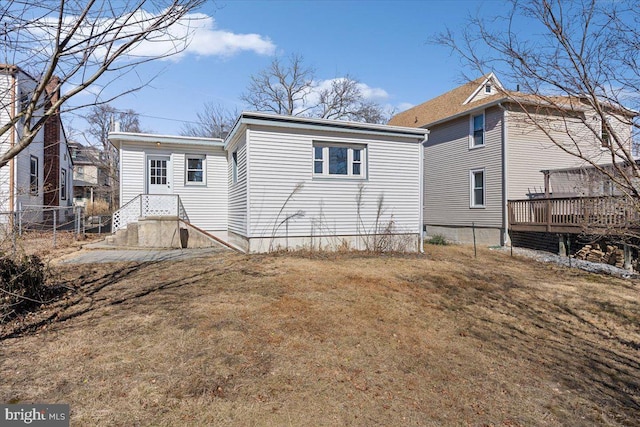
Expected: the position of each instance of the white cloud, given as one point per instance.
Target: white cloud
(193, 34)
(205, 40)
(312, 96)
(368, 93)
(372, 93)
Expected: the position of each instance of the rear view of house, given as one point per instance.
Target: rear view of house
(281, 182)
(299, 182)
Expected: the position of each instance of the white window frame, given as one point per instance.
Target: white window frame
(603, 125)
(234, 167)
(34, 177)
(325, 160)
(472, 188)
(63, 184)
(487, 88)
(188, 157)
(472, 144)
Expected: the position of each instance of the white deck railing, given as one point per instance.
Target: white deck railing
(146, 205)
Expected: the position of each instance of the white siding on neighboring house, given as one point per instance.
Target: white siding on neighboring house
(238, 189)
(447, 166)
(325, 208)
(6, 81)
(23, 198)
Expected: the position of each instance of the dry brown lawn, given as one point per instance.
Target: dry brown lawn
(438, 339)
(43, 244)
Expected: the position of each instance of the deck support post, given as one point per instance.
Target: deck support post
(627, 257)
(562, 247)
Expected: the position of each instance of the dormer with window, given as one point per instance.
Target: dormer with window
(490, 86)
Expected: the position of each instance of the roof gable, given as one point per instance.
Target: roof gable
(490, 86)
(471, 97)
(464, 98)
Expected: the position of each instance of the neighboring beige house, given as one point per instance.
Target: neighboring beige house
(90, 175)
(484, 150)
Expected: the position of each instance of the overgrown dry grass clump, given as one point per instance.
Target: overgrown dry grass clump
(439, 339)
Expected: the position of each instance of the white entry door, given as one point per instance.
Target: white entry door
(158, 175)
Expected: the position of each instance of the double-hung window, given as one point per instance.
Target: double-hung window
(195, 169)
(33, 176)
(63, 184)
(339, 160)
(477, 194)
(477, 131)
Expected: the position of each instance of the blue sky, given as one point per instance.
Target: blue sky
(384, 44)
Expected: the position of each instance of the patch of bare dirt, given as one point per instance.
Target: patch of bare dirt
(338, 339)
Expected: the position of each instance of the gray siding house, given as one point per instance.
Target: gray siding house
(484, 149)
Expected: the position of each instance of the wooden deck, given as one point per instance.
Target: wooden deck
(574, 215)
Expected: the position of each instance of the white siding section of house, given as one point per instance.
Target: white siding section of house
(282, 160)
(206, 205)
(529, 151)
(238, 190)
(447, 164)
(132, 171)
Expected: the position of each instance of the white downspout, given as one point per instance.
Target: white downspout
(505, 183)
(421, 198)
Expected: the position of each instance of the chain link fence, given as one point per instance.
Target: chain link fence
(47, 227)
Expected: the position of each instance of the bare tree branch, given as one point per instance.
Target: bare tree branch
(79, 43)
(291, 89)
(577, 65)
(213, 122)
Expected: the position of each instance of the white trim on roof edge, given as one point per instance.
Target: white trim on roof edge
(493, 79)
(249, 118)
(148, 138)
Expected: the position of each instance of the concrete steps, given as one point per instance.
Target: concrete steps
(164, 232)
